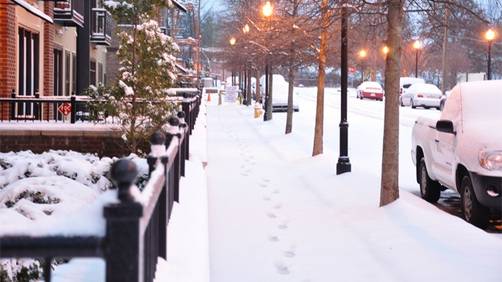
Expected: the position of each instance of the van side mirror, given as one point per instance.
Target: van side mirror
(445, 126)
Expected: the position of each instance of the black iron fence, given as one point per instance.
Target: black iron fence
(66, 109)
(136, 226)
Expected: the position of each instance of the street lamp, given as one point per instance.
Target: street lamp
(490, 36)
(246, 28)
(385, 51)
(343, 165)
(232, 41)
(362, 55)
(417, 45)
(267, 11)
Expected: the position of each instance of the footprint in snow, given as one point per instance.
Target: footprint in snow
(271, 215)
(244, 174)
(264, 185)
(281, 268)
(278, 206)
(273, 238)
(266, 198)
(283, 226)
(276, 191)
(289, 254)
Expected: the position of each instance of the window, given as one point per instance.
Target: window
(58, 72)
(28, 70)
(92, 73)
(100, 74)
(67, 73)
(74, 74)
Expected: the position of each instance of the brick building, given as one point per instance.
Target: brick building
(48, 49)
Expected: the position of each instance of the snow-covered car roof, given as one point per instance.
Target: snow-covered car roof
(424, 87)
(481, 99)
(370, 84)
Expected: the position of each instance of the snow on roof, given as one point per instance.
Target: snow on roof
(32, 9)
(179, 5)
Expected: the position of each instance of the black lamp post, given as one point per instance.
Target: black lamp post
(490, 36)
(343, 164)
(267, 12)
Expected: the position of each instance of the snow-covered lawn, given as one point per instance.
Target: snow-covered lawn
(277, 214)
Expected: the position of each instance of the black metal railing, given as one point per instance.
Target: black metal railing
(69, 12)
(101, 26)
(136, 226)
(66, 109)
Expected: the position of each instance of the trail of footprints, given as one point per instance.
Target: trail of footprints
(282, 266)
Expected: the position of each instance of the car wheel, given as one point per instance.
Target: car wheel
(473, 211)
(430, 190)
(413, 104)
(401, 101)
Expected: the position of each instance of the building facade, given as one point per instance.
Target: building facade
(50, 49)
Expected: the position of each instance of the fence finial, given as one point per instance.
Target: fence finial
(173, 121)
(124, 173)
(158, 138)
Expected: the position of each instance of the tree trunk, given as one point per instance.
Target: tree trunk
(390, 158)
(257, 86)
(248, 85)
(291, 76)
(289, 116)
(319, 117)
(444, 83)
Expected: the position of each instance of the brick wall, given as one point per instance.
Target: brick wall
(48, 54)
(7, 52)
(40, 141)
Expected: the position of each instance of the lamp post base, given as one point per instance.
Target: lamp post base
(343, 165)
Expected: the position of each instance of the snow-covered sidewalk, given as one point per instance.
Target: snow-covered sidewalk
(276, 214)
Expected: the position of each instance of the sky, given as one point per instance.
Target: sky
(214, 4)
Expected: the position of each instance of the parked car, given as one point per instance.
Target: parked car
(279, 93)
(462, 150)
(371, 90)
(422, 95)
(406, 82)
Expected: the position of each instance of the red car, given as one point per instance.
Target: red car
(370, 90)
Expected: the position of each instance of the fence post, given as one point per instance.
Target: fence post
(73, 102)
(174, 130)
(13, 105)
(184, 145)
(124, 246)
(158, 151)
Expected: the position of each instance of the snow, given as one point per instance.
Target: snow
(34, 10)
(48, 192)
(277, 214)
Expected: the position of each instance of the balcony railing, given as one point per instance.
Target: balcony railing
(101, 26)
(69, 12)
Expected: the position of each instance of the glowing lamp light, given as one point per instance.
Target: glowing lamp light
(363, 54)
(246, 28)
(232, 41)
(417, 45)
(267, 9)
(490, 35)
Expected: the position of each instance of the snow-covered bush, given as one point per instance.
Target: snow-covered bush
(39, 191)
(147, 70)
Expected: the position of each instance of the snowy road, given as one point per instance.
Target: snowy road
(276, 214)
